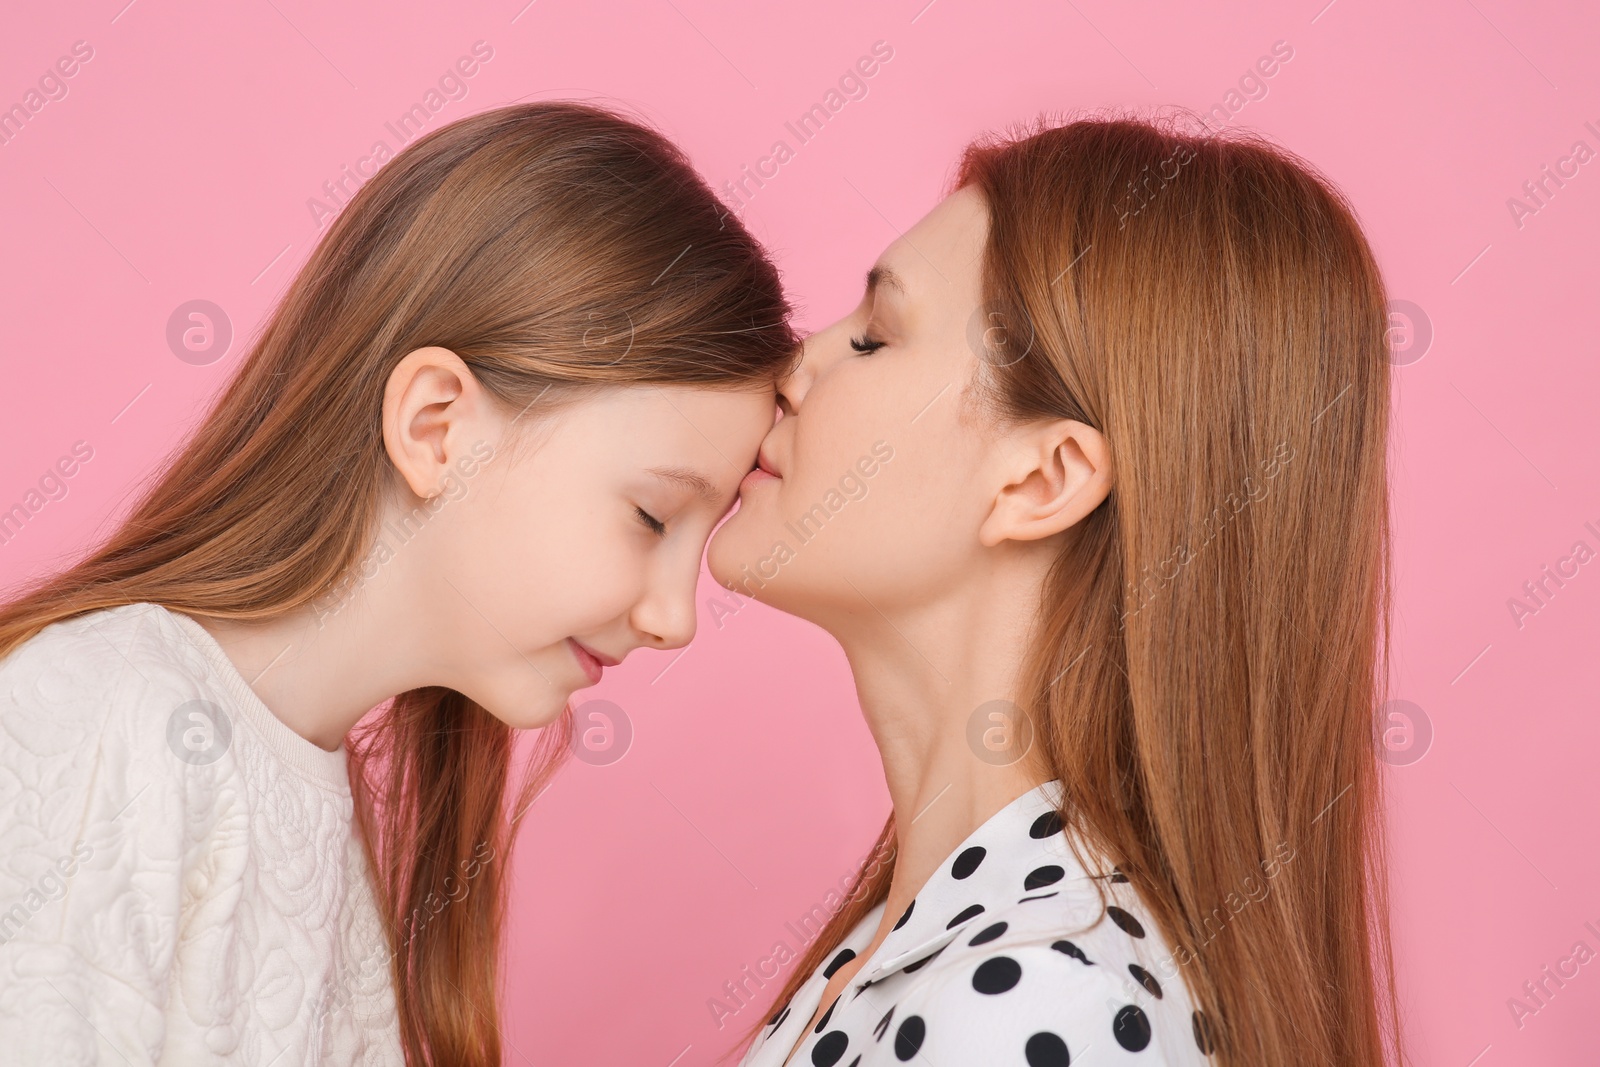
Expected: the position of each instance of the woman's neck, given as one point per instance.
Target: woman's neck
(940, 685)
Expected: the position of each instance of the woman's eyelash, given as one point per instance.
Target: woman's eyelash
(866, 344)
(657, 527)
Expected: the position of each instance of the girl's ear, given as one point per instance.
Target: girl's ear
(432, 408)
(1050, 475)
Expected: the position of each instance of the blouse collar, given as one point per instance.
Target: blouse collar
(1019, 853)
(1014, 856)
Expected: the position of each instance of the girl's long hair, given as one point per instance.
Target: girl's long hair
(555, 247)
(1206, 668)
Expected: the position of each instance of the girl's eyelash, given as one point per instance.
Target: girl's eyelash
(866, 344)
(657, 527)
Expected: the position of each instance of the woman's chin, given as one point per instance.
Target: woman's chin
(729, 556)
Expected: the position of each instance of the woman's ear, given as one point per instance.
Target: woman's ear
(1050, 475)
(432, 407)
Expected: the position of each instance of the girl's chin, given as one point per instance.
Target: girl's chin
(531, 714)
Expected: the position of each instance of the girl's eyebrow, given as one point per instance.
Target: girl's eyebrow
(690, 479)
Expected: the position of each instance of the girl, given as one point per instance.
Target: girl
(1113, 595)
(472, 460)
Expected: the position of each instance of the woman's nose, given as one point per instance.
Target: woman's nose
(792, 388)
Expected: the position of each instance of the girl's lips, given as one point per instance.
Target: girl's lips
(592, 667)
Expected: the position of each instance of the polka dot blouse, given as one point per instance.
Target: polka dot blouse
(1006, 957)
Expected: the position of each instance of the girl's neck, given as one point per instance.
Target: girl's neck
(299, 664)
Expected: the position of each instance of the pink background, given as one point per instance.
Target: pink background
(179, 167)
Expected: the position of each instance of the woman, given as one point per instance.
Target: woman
(1112, 590)
(473, 459)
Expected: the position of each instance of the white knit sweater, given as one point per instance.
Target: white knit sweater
(180, 881)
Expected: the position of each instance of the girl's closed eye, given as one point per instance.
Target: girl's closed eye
(571, 589)
(866, 345)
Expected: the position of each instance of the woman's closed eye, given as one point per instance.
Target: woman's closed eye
(866, 345)
(656, 526)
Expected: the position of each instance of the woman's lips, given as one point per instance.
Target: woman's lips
(756, 477)
(592, 667)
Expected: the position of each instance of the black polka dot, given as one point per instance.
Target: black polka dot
(823, 1022)
(1040, 877)
(830, 1050)
(997, 975)
(777, 1019)
(1202, 1033)
(1045, 1049)
(1146, 979)
(1067, 948)
(1117, 875)
(908, 1039)
(1045, 825)
(855, 1061)
(968, 861)
(1129, 924)
(1132, 1028)
(838, 961)
(965, 914)
(988, 934)
(902, 920)
(924, 961)
(883, 1025)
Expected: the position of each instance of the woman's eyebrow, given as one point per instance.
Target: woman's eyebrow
(885, 277)
(690, 479)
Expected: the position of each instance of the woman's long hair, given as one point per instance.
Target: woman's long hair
(1205, 670)
(552, 246)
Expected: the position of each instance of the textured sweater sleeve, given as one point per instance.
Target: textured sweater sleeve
(97, 825)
